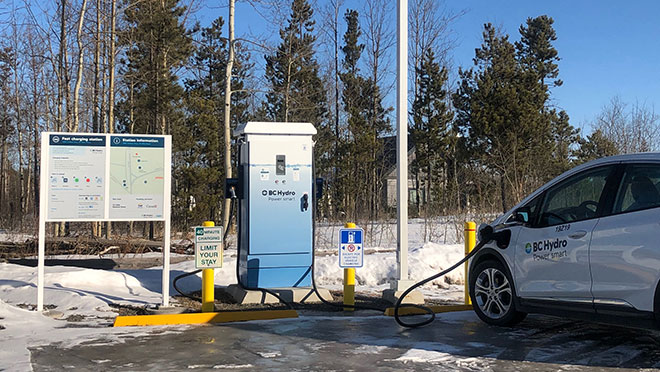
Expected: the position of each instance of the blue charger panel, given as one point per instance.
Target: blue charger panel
(279, 212)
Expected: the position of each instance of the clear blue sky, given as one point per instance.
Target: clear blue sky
(607, 47)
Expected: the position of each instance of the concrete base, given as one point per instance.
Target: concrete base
(160, 309)
(301, 295)
(401, 285)
(414, 297)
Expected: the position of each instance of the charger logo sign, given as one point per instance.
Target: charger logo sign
(278, 193)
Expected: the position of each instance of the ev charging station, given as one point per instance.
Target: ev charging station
(275, 204)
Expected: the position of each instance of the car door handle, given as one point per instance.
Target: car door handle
(577, 234)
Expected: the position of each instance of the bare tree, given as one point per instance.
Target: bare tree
(380, 40)
(634, 129)
(111, 84)
(330, 39)
(430, 28)
(227, 112)
(79, 76)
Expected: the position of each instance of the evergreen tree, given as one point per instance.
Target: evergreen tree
(355, 103)
(158, 44)
(431, 131)
(296, 91)
(565, 137)
(489, 110)
(502, 106)
(200, 174)
(536, 52)
(366, 121)
(595, 146)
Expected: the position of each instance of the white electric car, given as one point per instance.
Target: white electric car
(585, 245)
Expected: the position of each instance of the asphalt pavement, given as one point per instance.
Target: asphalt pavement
(336, 342)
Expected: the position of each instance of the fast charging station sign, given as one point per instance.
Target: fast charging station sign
(208, 247)
(351, 250)
(104, 177)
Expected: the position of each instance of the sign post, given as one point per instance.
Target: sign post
(104, 177)
(351, 255)
(208, 255)
(208, 247)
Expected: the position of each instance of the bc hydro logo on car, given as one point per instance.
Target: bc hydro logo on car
(545, 245)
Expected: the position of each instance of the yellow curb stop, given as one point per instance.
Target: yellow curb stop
(200, 318)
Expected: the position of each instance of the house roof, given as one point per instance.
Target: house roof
(389, 153)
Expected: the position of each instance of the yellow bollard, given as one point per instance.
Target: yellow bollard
(470, 237)
(349, 280)
(208, 283)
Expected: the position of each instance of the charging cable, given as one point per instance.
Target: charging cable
(486, 234)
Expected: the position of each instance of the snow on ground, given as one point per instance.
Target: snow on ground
(22, 329)
(14, 237)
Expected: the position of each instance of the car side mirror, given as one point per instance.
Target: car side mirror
(522, 215)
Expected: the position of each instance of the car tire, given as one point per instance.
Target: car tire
(492, 293)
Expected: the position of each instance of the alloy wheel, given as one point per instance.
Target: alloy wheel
(492, 292)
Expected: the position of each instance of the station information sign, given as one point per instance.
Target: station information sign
(137, 177)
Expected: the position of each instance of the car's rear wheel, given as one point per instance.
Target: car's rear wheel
(492, 291)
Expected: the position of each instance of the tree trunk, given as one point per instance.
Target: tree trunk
(111, 68)
(335, 168)
(81, 56)
(111, 87)
(227, 138)
(19, 133)
(60, 68)
(97, 60)
(65, 72)
(3, 172)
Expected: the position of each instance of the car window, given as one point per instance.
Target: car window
(574, 199)
(639, 189)
(534, 209)
(527, 211)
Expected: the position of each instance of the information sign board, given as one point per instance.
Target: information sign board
(106, 177)
(137, 177)
(208, 247)
(76, 177)
(82, 172)
(351, 250)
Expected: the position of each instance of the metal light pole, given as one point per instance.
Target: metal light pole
(402, 283)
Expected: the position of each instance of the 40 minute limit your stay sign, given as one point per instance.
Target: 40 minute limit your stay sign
(208, 247)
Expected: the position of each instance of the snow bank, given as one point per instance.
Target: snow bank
(380, 268)
(23, 329)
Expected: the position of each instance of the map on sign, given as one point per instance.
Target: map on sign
(76, 174)
(137, 177)
(351, 250)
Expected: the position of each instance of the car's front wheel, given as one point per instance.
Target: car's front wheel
(492, 291)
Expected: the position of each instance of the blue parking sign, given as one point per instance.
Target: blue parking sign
(351, 249)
